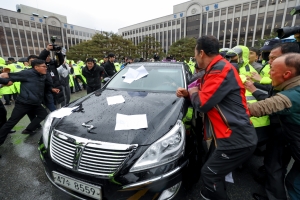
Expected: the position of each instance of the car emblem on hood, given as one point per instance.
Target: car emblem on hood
(90, 127)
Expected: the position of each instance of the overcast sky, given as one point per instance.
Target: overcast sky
(106, 15)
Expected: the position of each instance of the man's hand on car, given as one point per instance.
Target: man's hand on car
(181, 92)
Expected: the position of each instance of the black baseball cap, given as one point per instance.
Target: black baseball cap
(11, 59)
(269, 44)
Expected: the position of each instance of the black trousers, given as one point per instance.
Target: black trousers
(19, 111)
(277, 158)
(3, 114)
(218, 165)
(292, 181)
(92, 89)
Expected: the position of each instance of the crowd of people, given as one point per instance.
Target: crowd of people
(247, 98)
(248, 102)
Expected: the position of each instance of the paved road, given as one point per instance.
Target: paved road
(22, 176)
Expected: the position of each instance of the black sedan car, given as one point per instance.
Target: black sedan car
(85, 156)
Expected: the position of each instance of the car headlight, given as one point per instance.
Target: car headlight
(168, 148)
(47, 128)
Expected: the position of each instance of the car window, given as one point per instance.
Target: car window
(159, 79)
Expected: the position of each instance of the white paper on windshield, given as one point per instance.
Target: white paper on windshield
(142, 72)
(115, 100)
(135, 74)
(131, 75)
(129, 122)
(63, 112)
(229, 178)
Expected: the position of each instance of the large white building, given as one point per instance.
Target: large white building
(233, 22)
(26, 31)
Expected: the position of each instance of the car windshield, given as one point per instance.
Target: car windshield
(161, 78)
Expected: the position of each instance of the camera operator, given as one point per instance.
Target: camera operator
(53, 100)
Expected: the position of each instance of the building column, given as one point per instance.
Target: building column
(21, 45)
(240, 24)
(294, 17)
(255, 23)
(13, 37)
(265, 19)
(274, 18)
(225, 28)
(232, 25)
(246, 33)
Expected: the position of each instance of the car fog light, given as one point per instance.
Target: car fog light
(170, 192)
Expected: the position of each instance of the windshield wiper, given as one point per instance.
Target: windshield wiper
(111, 89)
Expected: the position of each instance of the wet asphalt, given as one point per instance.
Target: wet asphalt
(22, 175)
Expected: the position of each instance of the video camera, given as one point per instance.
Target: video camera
(288, 31)
(55, 47)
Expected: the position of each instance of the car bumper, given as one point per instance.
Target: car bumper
(149, 188)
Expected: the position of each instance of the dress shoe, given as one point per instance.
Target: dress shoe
(259, 197)
(12, 131)
(28, 132)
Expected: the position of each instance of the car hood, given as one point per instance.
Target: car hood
(162, 110)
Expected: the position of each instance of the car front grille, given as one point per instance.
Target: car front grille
(88, 156)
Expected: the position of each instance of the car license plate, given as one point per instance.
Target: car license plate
(78, 186)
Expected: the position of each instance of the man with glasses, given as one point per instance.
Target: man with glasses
(33, 85)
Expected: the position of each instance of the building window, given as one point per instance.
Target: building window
(262, 3)
(153, 27)
(38, 25)
(161, 25)
(169, 23)
(13, 21)
(178, 21)
(76, 32)
(20, 22)
(278, 19)
(223, 11)
(142, 29)
(173, 23)
(272, 2)
(237, 8)
(253, 5)
(32, 25)
(217, 13)
(26, 23)
(165, 24)
(210, 14)
(230, 10)
(149, 28)
(146, 29)
(246, 7)
(5, 19)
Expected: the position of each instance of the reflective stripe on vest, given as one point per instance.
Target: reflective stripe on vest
(257, 121)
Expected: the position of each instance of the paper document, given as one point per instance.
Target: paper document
(229, 178)
(135, 74)
(128, 122)
(115, 100)
(131, 75)
(63, 112)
